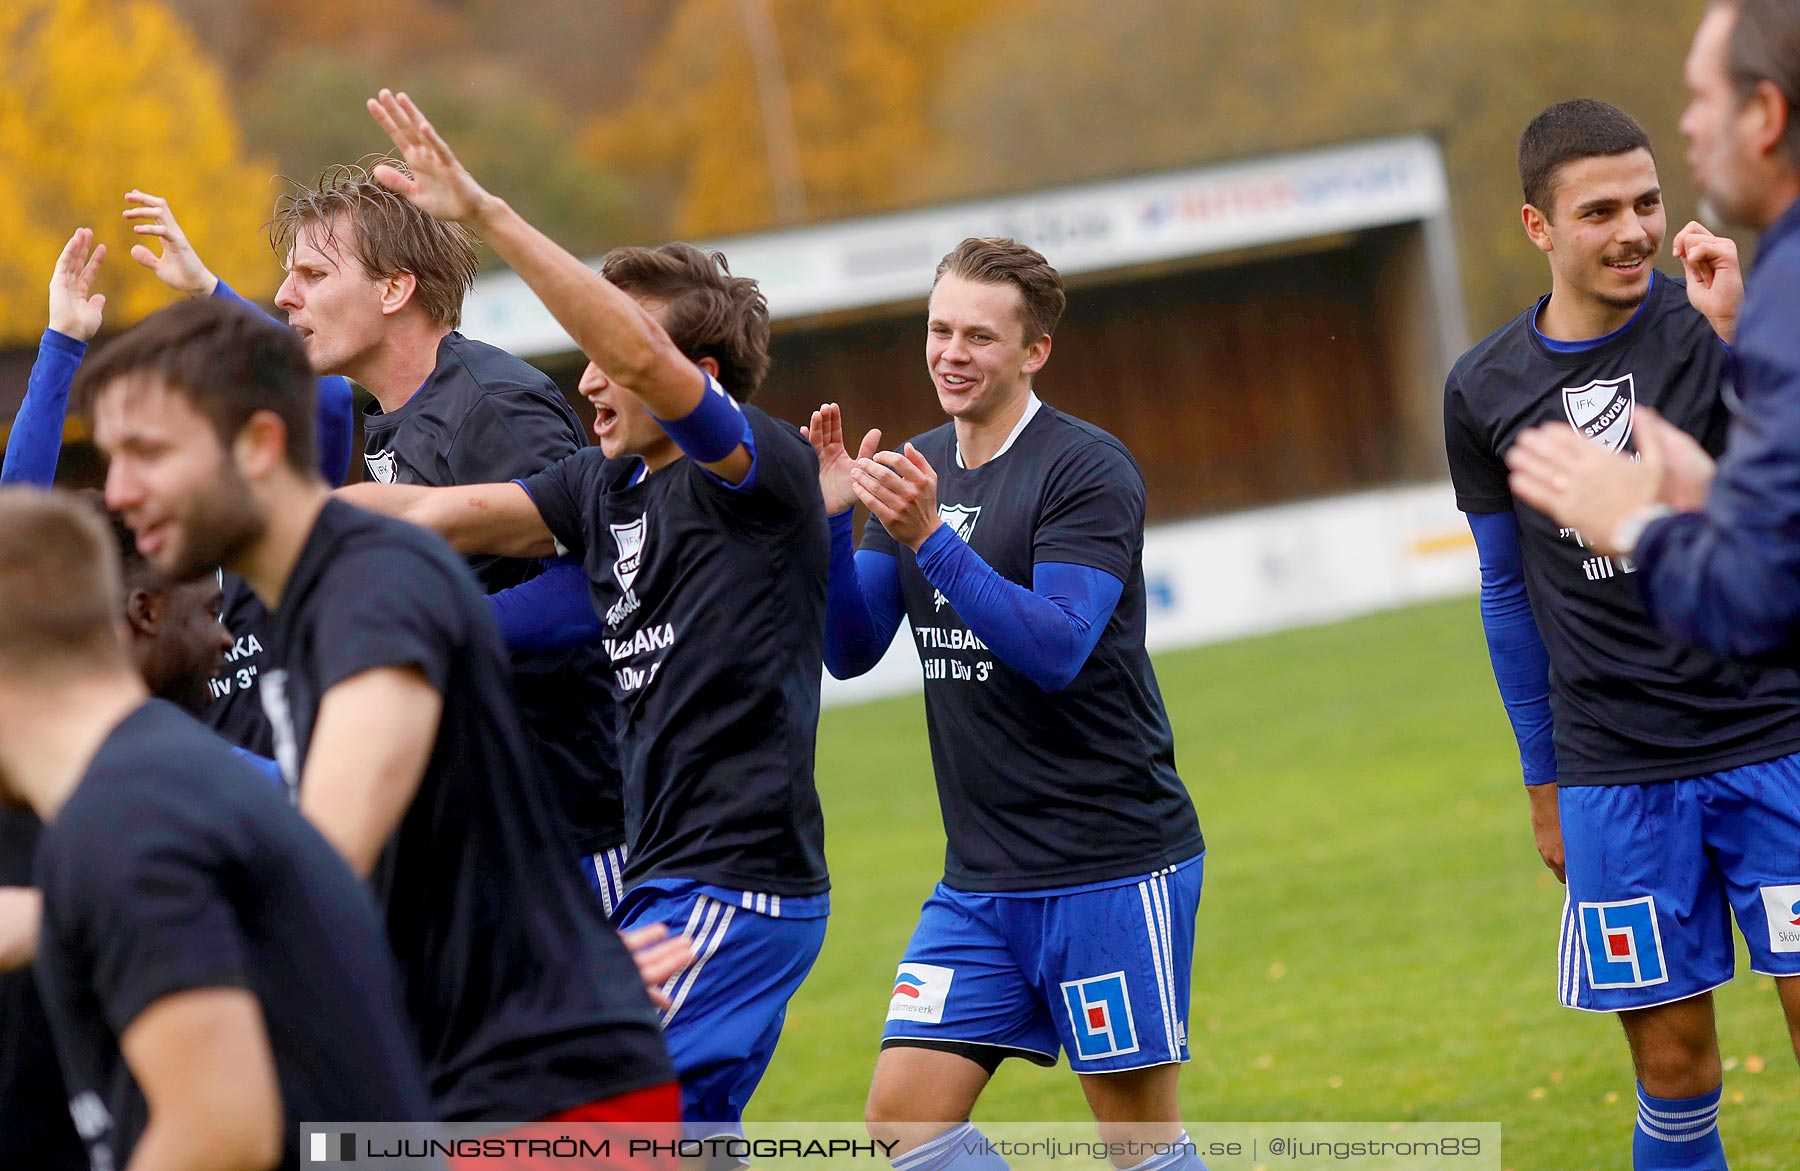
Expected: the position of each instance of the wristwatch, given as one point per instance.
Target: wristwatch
(1631, 529)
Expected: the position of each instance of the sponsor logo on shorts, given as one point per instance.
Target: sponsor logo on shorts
(1100, 1016)
(919, 993)
(1782, 903)
(1623, 944)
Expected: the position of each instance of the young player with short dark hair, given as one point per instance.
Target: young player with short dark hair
(394, 722)
(698, 521)
(1012, 538)
(1662, 779)
(212, 972)
(1718, 545)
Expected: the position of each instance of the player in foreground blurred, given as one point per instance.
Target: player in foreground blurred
(177, 643)
(698, 521)
(1012, 538)
(1719, 554)
(1660, 776)
(212, 971)
(375, 288)
(394, 722)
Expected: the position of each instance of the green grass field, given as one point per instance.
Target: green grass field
(1377, 937)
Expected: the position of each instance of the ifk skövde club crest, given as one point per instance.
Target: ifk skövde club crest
(381, 466)
(1603, 410)
(630, 542)
(960, 519)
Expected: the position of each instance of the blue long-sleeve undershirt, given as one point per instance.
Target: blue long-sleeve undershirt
(336, 405)
(1515, 646)
(863, 606)
(37, 430)
(1045, 633)
(551, 612)
(268, 769)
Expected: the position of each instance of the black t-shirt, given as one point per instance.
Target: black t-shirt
(35, 1130)
(525, 1002)
(1041, 790)
(485, 417)
(713, 598)
(173, 867)
(1628, 704)
(235, 711)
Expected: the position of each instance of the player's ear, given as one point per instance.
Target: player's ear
(710, 364)
(397, 292)
(261, 445)
(1537, 227)
(1036, 354)
(143, 612)
(1770, 113)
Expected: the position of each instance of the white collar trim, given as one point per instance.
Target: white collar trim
(1031, 409)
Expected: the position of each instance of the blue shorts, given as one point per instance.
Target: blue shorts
(605, 874)
(750, 954)
(1656, 871)
(1102, 974)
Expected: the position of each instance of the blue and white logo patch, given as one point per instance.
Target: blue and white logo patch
(1623, 944)
(1100, 1016)
(961, 519)
(381, 466)
(629, 538)
(1603, 410)
(920, 991)
(1782, 905)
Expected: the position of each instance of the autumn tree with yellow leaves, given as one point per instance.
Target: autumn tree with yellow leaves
(98, 97)
(857, 75)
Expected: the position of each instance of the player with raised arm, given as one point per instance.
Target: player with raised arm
(1012, 539)
(1656, 772)
(236, 711)
(375, 288)
(35, 1129)
(395, 724)
(698, 521)
(212, 971)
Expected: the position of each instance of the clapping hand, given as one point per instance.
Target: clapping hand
(826, 433)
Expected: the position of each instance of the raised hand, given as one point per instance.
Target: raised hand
(900, 488)
(1715, 280)
(439, 184)
(179, 266)
(75, 309)
(826, 432)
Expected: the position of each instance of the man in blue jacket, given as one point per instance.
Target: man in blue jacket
(1718, 548)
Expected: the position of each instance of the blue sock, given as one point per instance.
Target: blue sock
(1678, 1134)
(961, 1148)
(1184, 1156)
